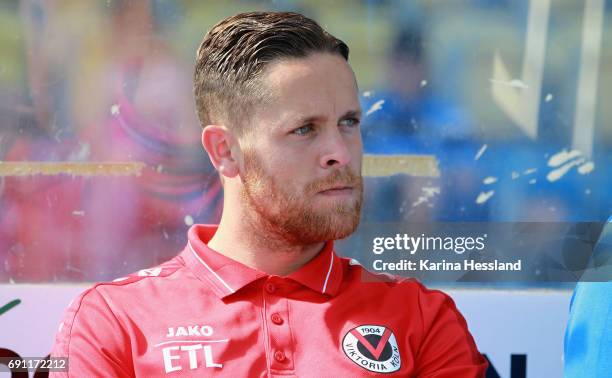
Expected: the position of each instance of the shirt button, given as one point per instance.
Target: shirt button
(277, 319)
(270, 288)
(279, 356)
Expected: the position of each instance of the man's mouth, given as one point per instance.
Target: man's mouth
(338, 190)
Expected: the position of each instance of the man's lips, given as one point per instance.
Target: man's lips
(338, 190)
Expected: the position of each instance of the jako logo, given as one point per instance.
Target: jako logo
(191, 330)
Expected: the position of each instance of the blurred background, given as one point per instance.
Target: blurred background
(507, 97)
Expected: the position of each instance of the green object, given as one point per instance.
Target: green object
(9, 306)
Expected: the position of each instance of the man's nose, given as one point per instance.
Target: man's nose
(336, 152)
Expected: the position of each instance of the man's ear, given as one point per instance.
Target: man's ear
(218, 142)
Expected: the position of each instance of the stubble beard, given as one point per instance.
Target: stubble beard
(279, 214)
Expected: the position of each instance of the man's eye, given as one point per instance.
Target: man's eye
(351, 122)
(302, 130)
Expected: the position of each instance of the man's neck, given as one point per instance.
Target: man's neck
(244, 242)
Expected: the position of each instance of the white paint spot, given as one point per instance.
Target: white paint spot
(562, 157)
(414, 123)
(150, 272)
(376, 106)
(115, 109)
(367, 94)
(480, 152)
(120, 279)
(515, 175)
(530, 171)
(402, 207)
(586, 168)
(548, 97)
(78, 213)
(188, 220)
(423, 83)
(516, 83)
(428, 193)
(489, 180)
(533, 181)
(82, 154)
(556, 174)
(484, 197)
(587, 191)
(159, 168)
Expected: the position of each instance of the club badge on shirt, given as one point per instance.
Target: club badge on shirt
(373, 347)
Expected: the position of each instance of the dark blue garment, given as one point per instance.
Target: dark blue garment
(588, 337)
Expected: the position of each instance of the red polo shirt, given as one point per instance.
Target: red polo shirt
(202, 313)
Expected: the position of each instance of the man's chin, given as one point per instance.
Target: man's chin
(337, 226)
(341, 233)
(341, 204)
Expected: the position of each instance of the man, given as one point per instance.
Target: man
(263, 293)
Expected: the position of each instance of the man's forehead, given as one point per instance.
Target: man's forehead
(311, 85)
(285, 71)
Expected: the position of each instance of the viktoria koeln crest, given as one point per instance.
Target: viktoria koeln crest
(373, 347)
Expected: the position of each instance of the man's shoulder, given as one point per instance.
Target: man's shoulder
(138, 282)
(104, 312)
(153, 274)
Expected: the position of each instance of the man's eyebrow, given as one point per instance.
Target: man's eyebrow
(309, 119)
(352, 114)
(315, 119)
